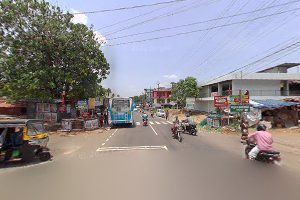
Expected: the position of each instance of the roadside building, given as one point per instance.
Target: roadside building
(162, 96)
(274, 83)
(15, 109)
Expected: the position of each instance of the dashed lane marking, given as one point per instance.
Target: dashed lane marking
(151, 123)
(169, 122)
(164, 122)
(153, 130)
(157, 122)
(105, 149)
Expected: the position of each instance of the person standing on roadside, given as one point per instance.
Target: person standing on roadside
(101, 119)
(105, 119)
(167, 114)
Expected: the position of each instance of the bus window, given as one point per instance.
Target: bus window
(120, 105)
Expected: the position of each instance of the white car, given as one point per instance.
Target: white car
(160, 113)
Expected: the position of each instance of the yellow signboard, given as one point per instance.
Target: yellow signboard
(92, 103)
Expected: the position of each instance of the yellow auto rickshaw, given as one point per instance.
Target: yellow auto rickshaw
(23, 139)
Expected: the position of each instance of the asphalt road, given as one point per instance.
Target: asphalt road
(145, 163)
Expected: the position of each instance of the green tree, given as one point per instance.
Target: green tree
(43, 53)
(183, 89)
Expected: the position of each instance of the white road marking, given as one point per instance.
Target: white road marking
(107, 139)
(170, 122)
(164, 122)
(153, 129)
(151, 123)
(157, 122)
(103, 144)
(110, 136)
(115, 131)
(138, 123)
(104, 149)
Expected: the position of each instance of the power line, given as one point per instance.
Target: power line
(199, 30)
(128, 8)
(257, 61)
(212, 54)
(201, 22)
(129, 19)
(191, 52)
(289, 51)
(169, 14)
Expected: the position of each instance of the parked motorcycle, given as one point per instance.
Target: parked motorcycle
(272, 157)
(177, 130)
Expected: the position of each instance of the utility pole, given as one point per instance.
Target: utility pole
(158, 83)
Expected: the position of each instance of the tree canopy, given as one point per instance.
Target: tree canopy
(43, 53)
(183, 89)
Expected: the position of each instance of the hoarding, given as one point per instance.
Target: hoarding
(220, 101)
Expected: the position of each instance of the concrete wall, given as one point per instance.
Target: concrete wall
(205, 106)
(258, 87)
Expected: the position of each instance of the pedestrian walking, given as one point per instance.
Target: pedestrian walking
(167, 115)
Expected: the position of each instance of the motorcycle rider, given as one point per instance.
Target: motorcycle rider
(263, 140)
(145, 116)
(187, 122)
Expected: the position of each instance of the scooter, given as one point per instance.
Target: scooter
(272, 157)
(145, 122)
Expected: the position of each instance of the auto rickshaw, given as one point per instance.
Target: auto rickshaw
(23, 139)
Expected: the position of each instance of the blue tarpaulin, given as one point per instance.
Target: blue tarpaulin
(271, 103)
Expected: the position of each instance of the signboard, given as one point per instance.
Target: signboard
(245, 97)
(239, 108)
(234, 99)
(92, 103)
(190, 105)
(220, 101)
(82, 104)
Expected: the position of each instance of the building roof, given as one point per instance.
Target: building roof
(162, 89)
(284, 65)
(261, 75)
(4, 104)
(271, 103)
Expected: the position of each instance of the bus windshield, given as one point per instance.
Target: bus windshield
(120, 105)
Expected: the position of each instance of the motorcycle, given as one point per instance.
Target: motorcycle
(191, 129)
(272, 157)
(177, 130)
(145, 122)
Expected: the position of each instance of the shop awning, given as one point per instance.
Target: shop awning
(271, 103)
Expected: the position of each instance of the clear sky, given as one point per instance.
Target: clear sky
(202, 54)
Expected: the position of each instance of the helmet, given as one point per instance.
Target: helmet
(261, 127)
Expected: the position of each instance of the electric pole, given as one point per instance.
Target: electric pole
(158, 96)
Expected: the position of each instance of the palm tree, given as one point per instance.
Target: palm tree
(108, 91)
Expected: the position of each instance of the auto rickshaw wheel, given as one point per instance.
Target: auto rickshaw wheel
(44, 156)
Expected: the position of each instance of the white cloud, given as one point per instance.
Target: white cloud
(79, 18)
(100, 38)
(170, 76)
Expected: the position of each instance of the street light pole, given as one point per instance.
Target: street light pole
(158, 83)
